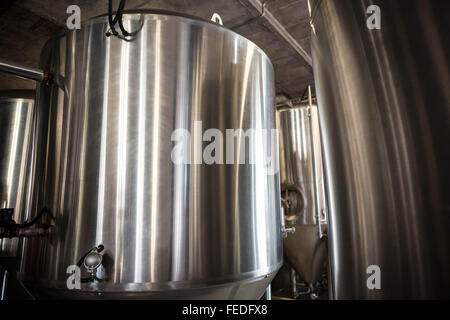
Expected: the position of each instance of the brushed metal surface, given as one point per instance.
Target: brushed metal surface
(383, 99)
(110, 179)
(16, 113)
(301, 169)
(301, 160)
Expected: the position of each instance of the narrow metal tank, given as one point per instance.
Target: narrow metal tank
(169, 230)
(302, 185)
(383, 97)
(16, 114)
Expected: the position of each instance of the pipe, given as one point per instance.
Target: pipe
(34, 232)
(269, 292)
(4, 284)
(293, 283)
(23, 71)
(316, 192)
(281, 31)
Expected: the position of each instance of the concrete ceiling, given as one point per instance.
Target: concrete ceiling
(25, 25)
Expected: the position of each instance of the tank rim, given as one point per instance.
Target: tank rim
(160, 12)
(108, 287)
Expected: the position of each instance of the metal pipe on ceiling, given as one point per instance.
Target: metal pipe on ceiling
(22, 71)
(281, 30)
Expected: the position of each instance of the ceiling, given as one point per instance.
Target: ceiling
(25, 25)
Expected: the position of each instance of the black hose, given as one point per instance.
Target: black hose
(112, 21)
(120, 13)
(118, 18)
(35, 219)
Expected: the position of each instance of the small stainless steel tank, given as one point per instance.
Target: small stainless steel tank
(16, 114)
(172, 231)
(302, 187)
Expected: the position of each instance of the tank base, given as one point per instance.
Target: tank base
(250, 289)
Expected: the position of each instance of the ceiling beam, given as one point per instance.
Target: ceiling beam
(280, 30)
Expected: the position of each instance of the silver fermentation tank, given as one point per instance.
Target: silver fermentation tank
(383, 97)
(16, 118)
(168, 230)
(302, 189)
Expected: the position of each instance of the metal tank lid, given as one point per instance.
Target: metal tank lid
(160, 12)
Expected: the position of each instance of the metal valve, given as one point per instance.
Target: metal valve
(92, 260)
(285, 231)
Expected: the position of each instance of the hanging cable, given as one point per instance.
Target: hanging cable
(35, 219)
(113, 20)
(120, 13)
(116, 19)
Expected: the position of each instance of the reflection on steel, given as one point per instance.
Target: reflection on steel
(192, 231)
(301, 170)
(384, 110)
(302, 186)
(16, 112)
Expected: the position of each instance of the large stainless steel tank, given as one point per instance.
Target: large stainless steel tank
(172, 231)
(302, 185)
(16, 114)
(383, 97)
